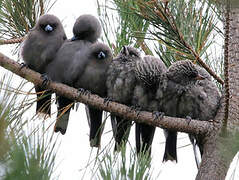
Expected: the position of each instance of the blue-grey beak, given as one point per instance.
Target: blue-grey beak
(101, 55)
(48, 28)
(74, 38)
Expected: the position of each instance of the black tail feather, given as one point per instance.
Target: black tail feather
(121, 130)
(144, 137)
(96, 129)
(43, 101)
(170, 152)
(62, 114)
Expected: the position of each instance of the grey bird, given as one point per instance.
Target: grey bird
(120, 83)
(83, 68)
(86, 31)
(187, 91)
(149, 73)
(58, 70)
(39, 49)
(87, 27)
(93, 78)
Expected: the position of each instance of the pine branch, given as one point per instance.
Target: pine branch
(203, 64)
(213, 165)
(177, 124)
(11, 41)
(169, 33)
(217, 153)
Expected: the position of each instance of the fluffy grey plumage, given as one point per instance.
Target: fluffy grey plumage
(121, 82)
(87, 27)
(92, 77)
(183, 95)
(82, 64)
(149, 73)
(39, 49)
(58, 71)
(69, 60)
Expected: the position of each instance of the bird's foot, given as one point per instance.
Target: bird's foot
(23, 65)
(84, 92)
(107, 100)
(81, 91)
(45, 79)
(136, 109)
(188, 119)
(157, 115)
(87, 93)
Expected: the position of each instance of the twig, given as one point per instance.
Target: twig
(11, 41)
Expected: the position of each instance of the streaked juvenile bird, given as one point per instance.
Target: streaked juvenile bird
(120, 83)
(200, 102)
(149, 73)
(187, 91)
(39, 49)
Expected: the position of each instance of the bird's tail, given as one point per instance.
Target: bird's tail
(43, 101)
(94, 117)
(170, 152)
(138, 138)
(144, 137)
(196, 150)
(63, 113)
(121, 129)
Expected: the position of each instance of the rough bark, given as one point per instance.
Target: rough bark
(178, 124)
(215, 162)
(213, 165)
(233, 111)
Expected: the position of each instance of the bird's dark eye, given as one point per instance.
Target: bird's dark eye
(133, 54)
(193, 75)
(101, 55)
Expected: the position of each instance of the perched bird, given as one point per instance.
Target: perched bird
(120, 83)
(86, 68)
(187, 91)
(91, 74)
(200, 102)
(148, 73)
(39, 49)
(86, 31)
(87, 27)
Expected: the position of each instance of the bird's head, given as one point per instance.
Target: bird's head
(128, 54)
(86, 27)
(47, 23)
(101, 52)
(184, 72)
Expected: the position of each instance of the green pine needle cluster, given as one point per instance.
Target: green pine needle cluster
(17, 17)
(25, 153)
